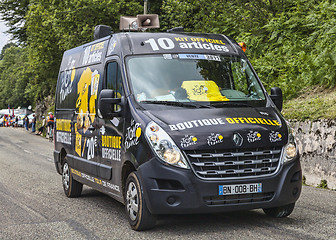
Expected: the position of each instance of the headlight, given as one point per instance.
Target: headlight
(290, 148)
(164, 146)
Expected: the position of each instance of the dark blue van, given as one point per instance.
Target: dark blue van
(173, 123)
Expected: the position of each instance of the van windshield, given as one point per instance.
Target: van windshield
(193, 78)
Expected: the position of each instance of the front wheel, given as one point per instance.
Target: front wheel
(72, 188)
(280, 212)
(137, 212)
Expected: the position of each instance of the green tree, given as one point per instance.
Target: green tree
(55, 26)
(8, 45)
(14, 77)
(14, 12)
(290, 42)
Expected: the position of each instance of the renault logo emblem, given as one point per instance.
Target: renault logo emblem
(237, 139)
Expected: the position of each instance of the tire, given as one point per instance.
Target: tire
(280, 212)
(137, 212)
(72, 188)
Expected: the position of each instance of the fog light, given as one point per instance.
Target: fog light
(171, 200)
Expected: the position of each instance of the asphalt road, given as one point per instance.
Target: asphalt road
(33, 206)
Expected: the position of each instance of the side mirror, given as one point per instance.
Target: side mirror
(276, 96)
(109, 106)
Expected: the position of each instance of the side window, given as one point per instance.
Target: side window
(113, 79)
(59, 95)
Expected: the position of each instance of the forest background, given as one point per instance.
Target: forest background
(290, 43)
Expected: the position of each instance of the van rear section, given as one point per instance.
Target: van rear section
(173, 123)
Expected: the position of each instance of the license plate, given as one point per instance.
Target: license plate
(240, 189)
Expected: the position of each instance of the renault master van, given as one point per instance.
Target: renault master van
(172, 123)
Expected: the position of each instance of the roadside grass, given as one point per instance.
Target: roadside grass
(323, 184)
(314, 103)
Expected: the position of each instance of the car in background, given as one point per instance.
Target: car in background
(21, 117)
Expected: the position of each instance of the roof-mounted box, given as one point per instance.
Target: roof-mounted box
(101, 31)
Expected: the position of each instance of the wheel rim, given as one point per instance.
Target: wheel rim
(66, 176)
(132, 198)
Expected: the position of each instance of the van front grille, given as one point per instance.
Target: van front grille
(236, 163)
(238, 198)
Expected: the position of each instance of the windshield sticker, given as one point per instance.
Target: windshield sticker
(249, 120)
(200, 57)
(188, 141)
(214, 139)
(133, 134)
(167, 56)
(275, 137)
(196, 123)
(253, 136)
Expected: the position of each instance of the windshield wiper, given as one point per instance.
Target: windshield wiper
(231, 104)
(173, 103)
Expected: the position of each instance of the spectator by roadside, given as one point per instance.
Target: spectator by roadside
(16, 121)
(26, 122)
(50, 125)
(33, 123)
(8, 121)
(41, 129)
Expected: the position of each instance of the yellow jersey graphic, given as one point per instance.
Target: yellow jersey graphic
(203, 91)
(87, 89)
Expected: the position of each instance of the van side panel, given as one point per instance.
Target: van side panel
(76, 133)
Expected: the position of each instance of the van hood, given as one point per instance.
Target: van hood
(222, 128)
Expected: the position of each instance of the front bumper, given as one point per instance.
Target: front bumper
(170, 190)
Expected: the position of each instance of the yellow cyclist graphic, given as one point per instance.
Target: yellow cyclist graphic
(87, 89)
